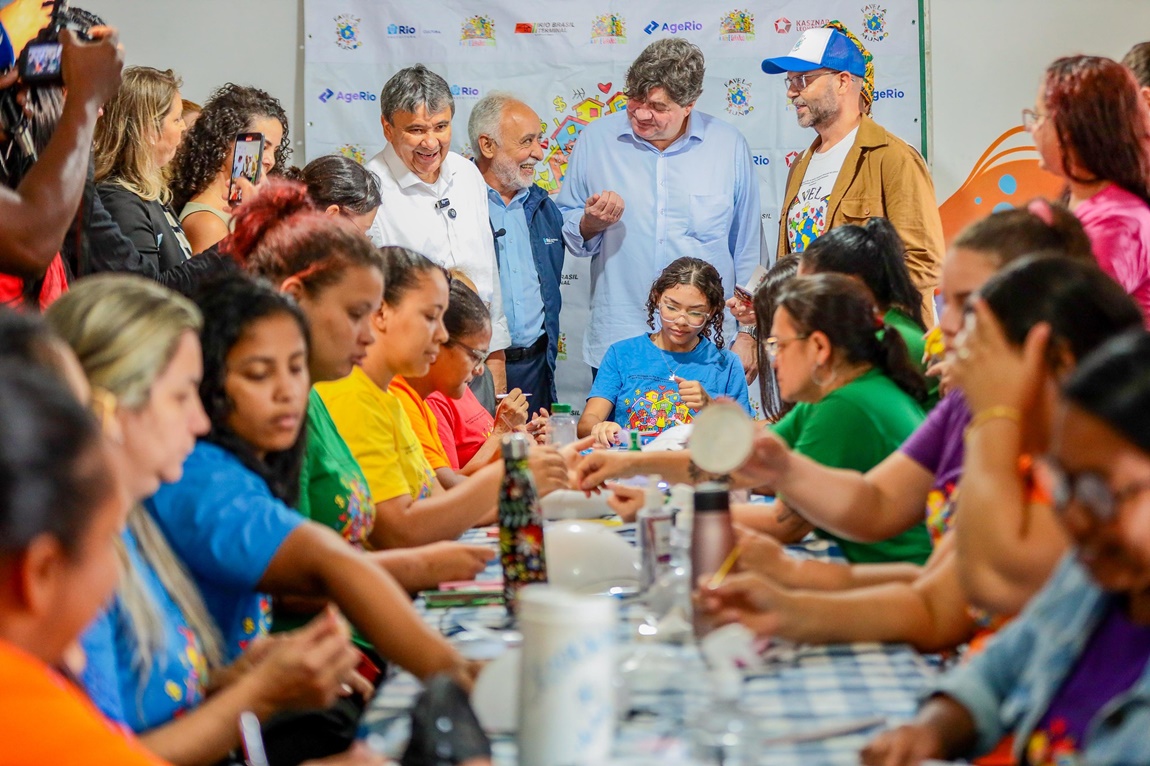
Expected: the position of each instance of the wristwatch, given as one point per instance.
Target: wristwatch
(750, 329)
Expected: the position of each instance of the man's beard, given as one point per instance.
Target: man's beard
(819, 112)
(509, 175)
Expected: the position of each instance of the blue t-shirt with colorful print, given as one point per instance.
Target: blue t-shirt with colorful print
(143, 698)
(636, 376)
(226, 525)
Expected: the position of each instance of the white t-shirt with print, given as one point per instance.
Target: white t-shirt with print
(807, 216)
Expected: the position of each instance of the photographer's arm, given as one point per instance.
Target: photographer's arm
(35, 217)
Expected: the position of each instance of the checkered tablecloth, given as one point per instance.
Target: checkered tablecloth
(671, 715)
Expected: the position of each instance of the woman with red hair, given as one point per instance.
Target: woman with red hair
(1092, 128)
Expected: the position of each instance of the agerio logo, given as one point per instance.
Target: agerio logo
(673, 28)
(347, 97)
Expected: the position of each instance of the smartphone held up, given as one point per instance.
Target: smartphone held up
(247, 162)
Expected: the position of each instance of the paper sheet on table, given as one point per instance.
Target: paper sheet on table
(670, 440)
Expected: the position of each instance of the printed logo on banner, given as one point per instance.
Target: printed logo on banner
(874, 23)
(761, 160)
(673, 28)
(609, 29)
(477, 31)
(891, 93)
(739, 97)
(347, 97)
(353, 152)
(400, 30)
(737, 26)
(790, 158)
(562, 355)
(782, 25)
(347, 31)
(465, 91)
(544, 27)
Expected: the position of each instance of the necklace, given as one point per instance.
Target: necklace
(664, 352)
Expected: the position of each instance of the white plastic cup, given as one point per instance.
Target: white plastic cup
(566, 682)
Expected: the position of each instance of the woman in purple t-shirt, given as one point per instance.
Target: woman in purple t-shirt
(1092, 128)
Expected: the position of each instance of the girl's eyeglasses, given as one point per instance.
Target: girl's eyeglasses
(693, 318)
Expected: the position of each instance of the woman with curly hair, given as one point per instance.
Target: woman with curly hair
(661, 379)
(1092, 128)
(201, 170)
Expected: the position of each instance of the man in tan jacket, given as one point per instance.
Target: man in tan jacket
(855, 169)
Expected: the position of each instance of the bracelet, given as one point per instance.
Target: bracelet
(1000, 412)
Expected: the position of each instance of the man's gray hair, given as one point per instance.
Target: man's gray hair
(413, 87)
(486, 116)
(672, 64)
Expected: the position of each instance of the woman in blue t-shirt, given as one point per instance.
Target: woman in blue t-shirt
(661, 379)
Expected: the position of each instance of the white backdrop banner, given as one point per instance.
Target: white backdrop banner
(569, 60)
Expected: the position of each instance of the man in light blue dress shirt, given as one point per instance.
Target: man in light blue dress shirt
(659, 181)
(506, 135)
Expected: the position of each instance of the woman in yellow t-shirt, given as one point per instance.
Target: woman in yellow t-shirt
(411, 506)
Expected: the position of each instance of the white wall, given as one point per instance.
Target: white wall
(210, 42)
(986, 56)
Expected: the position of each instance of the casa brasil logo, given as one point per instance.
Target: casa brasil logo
(673, 28)
(783, 25)
(477, 31)
(347, 31)
(737, 26)
(347, 96)
(874, 23)
(609, 29)
(544, 27)
(739, 97)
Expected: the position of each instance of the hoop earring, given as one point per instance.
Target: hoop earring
(821, 383)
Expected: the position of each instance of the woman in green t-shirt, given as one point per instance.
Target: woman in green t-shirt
(875, 255)
(857, 395)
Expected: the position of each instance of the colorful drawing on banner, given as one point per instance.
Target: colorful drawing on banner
(347, 31)
(737, 26)
(477, 31)
(560, 104)
(562, 355)
(354, 152)
(874, 23)
(739, 97)
(609, 29)
(561, 142)
(1001, 179)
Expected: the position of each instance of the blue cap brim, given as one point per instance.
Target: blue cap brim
(783, 64)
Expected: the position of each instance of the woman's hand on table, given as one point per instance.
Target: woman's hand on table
(549, 469)
(747, 598)
(908, 745)
(606, 434)
(626, 501)
(596, 468)
(539, 426)
(448, 560)
(692, 393)
(764, 555)
(993, 373)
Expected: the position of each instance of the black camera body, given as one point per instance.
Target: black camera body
(40, 63)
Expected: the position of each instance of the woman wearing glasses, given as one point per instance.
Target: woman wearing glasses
(1069, 678)
(1092, 128)
(662, 379)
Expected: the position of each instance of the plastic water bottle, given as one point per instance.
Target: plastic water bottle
(520, 523)
(563, 425)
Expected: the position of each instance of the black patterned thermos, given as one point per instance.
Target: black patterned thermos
(520, 523)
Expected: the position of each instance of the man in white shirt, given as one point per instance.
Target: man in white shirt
(434, 201)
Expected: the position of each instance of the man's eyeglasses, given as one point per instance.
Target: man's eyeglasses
(1090, 489)
(800, 82)
(694, 318)
(1030, 119)
(477, 357)
(773, 345)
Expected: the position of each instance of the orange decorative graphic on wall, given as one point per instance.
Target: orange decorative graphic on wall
(1002, 178)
